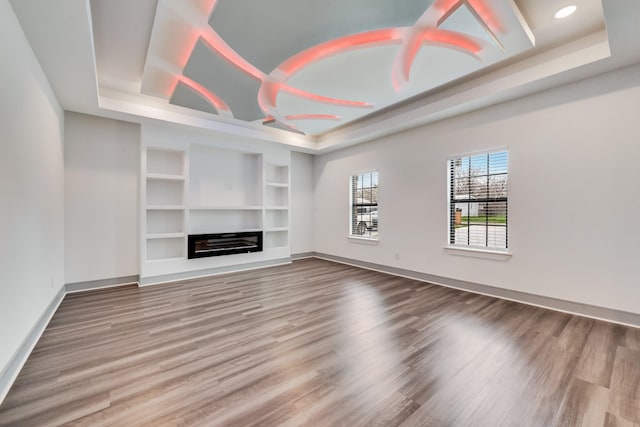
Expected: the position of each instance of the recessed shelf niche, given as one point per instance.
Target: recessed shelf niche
(276, 174)
(165, 193)
(166, 248)
(276, 218)
(165, 162)
(165, 221)
(205, 221)
(224, 178)
(276, 196)
(276, 239)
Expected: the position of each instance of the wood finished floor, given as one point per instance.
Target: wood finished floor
(322, 344)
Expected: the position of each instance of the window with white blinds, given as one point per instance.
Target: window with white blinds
(364, 205)
(478, 201)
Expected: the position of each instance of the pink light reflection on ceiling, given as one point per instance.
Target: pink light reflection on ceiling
(186, 53)
(323, 99)
(214, 42)
(215, 101)
(207, 7)
(268, 93)
(339, 45)
(487, 15)
(427, 27)
(424, 31)
(452, 40)
(294, 117)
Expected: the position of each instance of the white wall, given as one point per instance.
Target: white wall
(573, 203)
(31, 189)
(102, 163)
(302, 212)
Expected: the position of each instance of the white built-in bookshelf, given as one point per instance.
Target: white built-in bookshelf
(204, 187)
(165, 236)
(276, 212)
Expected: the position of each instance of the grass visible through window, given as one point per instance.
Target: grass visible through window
(498, 219)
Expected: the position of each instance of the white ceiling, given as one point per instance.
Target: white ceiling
(233, 56)
(127, 58)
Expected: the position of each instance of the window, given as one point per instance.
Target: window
(364, 205)
(478, 201)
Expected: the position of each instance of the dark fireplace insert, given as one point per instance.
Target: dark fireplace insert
(205, 245)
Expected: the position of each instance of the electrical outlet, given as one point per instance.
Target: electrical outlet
(397, 256)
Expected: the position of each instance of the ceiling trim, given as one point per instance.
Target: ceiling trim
(133, 106)
(61, 37)
(543, 71)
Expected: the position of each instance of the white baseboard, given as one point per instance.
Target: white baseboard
(198, 274)
(72, 288)
(302, 255)
(9, 374)
(624, 318)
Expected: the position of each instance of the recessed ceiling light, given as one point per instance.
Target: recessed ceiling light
(565, 11)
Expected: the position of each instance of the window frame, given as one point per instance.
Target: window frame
(352, 235)
(490, 252)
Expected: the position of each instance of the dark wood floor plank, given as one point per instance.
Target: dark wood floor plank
(585, 404)
(596, 362)
(320, 343)
(625, 385)
(631, 338)
(613, 421)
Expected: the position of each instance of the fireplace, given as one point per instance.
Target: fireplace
(206, 245)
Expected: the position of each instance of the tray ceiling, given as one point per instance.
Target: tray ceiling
(311, 67)
(341, 72)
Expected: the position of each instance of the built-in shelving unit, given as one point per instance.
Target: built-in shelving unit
(209, 187)
(276, 214)
(164, 195)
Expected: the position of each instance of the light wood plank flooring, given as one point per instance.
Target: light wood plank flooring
(322, 344)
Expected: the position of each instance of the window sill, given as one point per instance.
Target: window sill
(363, 240)
(478, 253)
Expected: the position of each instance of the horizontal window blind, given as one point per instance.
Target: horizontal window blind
(478, 201)
(364, 205)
